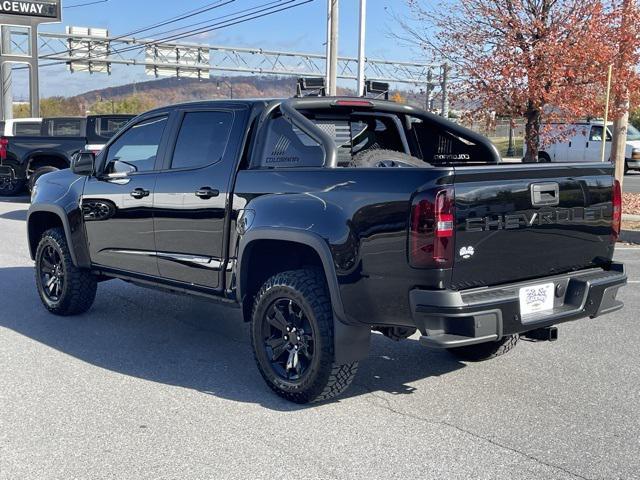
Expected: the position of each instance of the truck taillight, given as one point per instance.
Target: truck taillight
(4, 143)
(431, 234)
(617, 210)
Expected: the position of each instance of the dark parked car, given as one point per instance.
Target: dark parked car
(23, 159)
(325, 218)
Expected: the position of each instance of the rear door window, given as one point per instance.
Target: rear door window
(27, 129)
(108, 127)
(203, 139)
(71, 127)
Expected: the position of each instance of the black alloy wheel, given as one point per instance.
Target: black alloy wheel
(63, 288)
(288, 339)
(292, 335)
(52, 273)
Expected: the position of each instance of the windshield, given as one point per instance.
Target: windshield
(633, 133)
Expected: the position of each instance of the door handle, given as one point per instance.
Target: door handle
(140, 193)
(205, 193)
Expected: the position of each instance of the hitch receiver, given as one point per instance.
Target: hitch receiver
(546, 334)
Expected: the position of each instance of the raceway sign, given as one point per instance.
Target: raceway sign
(28, 9)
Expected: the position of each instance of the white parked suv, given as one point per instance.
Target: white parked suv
(583, 143)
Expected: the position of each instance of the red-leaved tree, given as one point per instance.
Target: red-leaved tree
(544, 60)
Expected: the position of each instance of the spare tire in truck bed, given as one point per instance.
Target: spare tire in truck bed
(386, 159)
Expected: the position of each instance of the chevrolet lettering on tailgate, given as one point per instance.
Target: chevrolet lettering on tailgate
(560, 216)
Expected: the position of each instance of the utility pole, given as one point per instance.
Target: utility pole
(621, 123)
(511, 149)
(605, 128)
(7, 80)
(361, 46)
(7, 91)
(332, 46)
(445, 91)
(429, 91)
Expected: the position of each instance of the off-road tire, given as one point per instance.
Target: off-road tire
(9, 189)
(486, 351)
(386, 159)
(325, 379)
(79, 286)
(37, 174)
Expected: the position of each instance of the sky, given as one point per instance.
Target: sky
(301, 29)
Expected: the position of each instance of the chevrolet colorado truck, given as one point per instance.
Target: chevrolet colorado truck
(324, 219)
(24, 158)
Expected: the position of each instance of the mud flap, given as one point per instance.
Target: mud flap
(351, 342)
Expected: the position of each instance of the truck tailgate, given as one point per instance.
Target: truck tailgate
(518, 222)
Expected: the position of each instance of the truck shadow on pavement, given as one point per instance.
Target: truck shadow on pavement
(188, 342)
(20, 199)
(19, 215)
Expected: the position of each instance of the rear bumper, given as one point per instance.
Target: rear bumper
(449, 319)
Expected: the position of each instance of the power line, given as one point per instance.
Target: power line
(221, 17)
(259, 13)
(127, 49)
(190, 13)
(85, 4)
(216, 26)
(183, 16)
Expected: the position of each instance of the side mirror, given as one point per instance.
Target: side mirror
(84, 164)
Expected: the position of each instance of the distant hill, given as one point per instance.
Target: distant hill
(173, 90)
(143, 96)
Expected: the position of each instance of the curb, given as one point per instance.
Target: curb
(630, 236)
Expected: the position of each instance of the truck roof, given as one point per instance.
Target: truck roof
(264, 101)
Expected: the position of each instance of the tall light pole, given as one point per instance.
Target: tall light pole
(332, 46)
(362, 46)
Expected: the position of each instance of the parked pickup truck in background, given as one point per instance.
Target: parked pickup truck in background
(23, 159)
(326, 218)
(21, 127)
(582, 142)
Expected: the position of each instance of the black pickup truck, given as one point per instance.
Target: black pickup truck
(326, 218)
(23, 159)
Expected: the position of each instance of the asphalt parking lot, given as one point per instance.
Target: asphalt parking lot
(149, 385)
(632, 182)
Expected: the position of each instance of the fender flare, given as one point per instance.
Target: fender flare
(351, 339)
(46, 154)
(76, 257)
